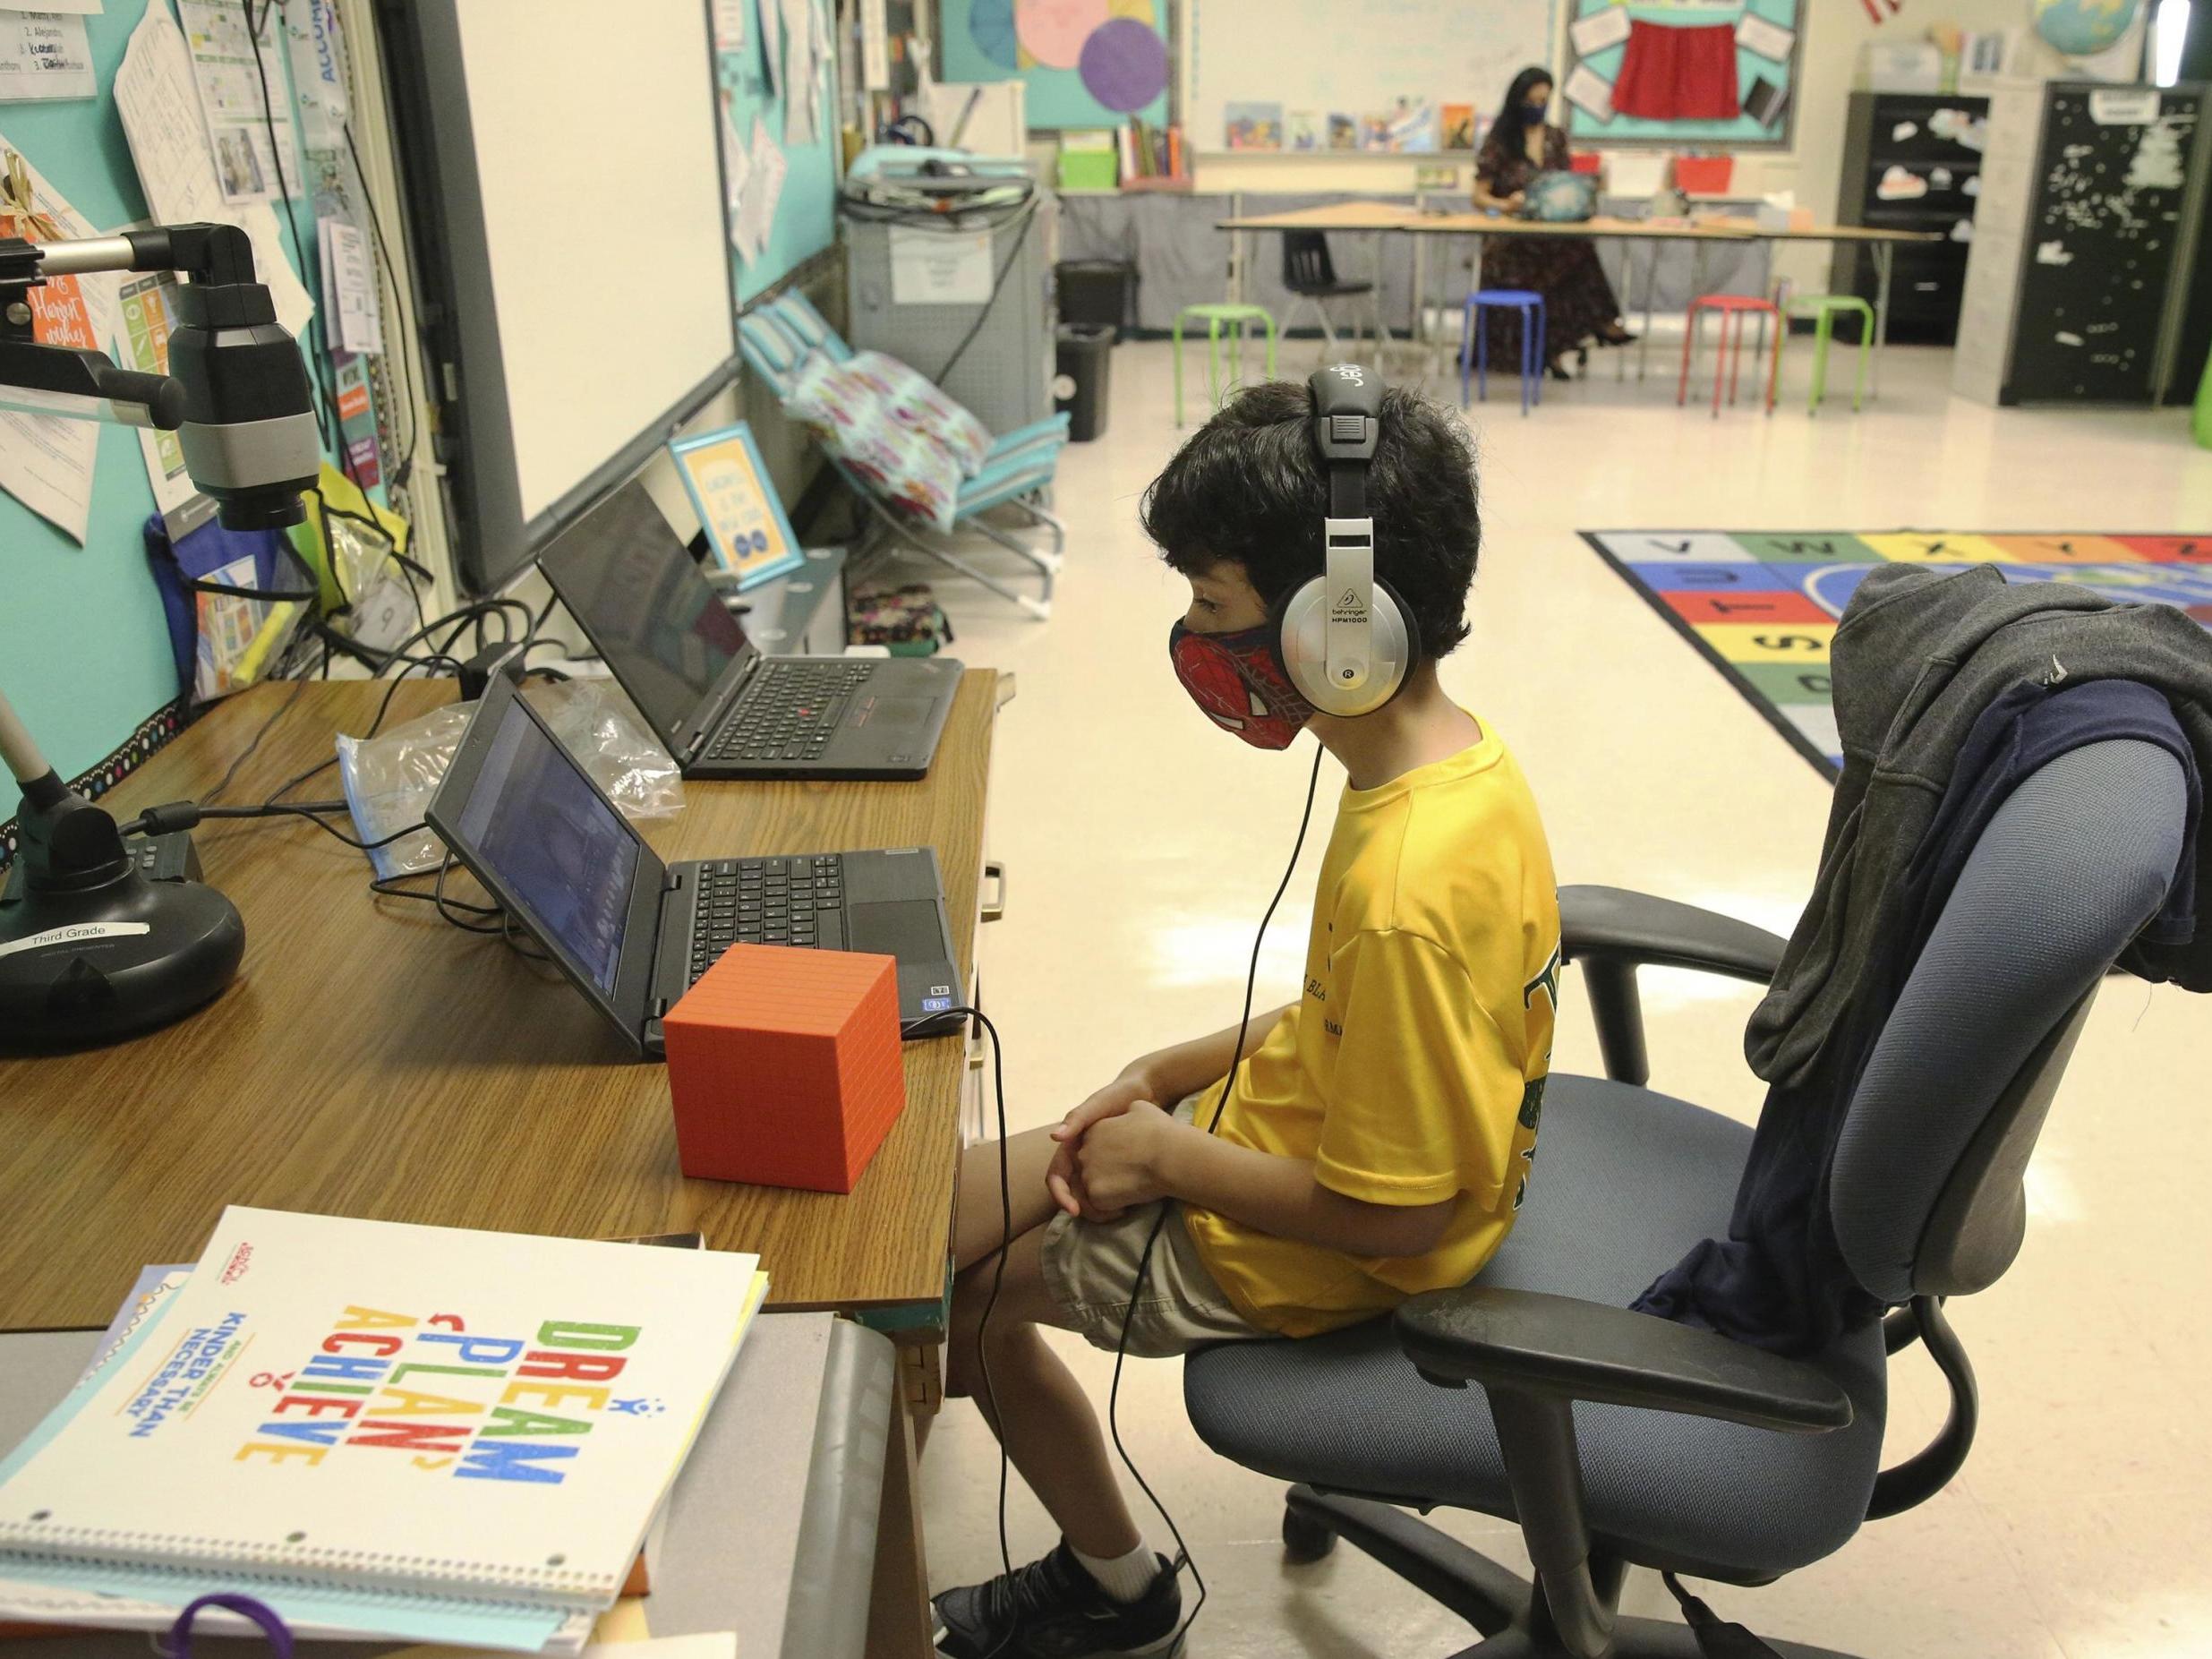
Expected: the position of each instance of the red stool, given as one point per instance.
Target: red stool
(1731, 309)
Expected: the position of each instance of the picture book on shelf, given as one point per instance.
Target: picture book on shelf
(328, 1407)
(1254, 126)
(1344, 130)
(1305, 129)
(1375, 130)
(1458, 125)
(1414, 129)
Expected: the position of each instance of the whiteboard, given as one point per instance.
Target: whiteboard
(603, 215)
(1358, 58)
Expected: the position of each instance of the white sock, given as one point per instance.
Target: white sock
(1124, 1578)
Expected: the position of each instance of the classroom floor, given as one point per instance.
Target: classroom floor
(1143, 846)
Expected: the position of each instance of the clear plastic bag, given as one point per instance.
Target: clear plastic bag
(596, 724)
(389, 778)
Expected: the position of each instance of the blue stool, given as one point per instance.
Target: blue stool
(1475, 342)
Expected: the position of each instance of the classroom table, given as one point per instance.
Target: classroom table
(1380, 218)
(370, 1060)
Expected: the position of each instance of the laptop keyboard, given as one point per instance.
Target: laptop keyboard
(792, 710)
(761, 902)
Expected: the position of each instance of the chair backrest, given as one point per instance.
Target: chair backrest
(776, 337)
(1306, 265)
(1927, 1183)
(770, 350)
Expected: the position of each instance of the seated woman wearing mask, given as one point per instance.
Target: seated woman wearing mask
(1579, 305)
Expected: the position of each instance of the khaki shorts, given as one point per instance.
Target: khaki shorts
(1090, 1269)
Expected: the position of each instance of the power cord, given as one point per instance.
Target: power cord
(983, 312)
(176, 816)
(1006, 1240)
(1144, 1261)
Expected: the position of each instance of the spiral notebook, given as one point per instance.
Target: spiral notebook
(361, 1406)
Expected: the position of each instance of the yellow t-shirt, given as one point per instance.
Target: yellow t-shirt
(1413, 1069)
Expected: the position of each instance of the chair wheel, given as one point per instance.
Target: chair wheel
(1305, 1540)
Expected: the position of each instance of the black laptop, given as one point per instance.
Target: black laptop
(632, 933)
(724, 709)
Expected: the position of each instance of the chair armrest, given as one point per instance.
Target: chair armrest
(1614, 924)
(1564, 1348)
(1611, 932)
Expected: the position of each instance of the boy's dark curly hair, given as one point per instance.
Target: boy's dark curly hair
(1249, 487)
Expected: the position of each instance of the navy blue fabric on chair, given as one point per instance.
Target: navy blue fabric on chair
(1617, 1441)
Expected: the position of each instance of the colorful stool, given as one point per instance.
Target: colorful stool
(1731, 309)
(1216, 315)
(1824, 308)
(1475, 342)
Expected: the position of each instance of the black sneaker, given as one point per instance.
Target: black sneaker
(1052, 1608)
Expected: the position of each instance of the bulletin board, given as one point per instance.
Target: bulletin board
(1683, 73)
(752, 87)
(84, 651)
(1086, 63)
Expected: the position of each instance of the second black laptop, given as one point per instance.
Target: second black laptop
(723, 708)
(632, 933)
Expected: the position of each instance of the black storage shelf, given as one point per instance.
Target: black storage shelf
(1928, 281)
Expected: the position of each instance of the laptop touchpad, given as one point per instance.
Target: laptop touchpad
(901, 711)
(906, 928)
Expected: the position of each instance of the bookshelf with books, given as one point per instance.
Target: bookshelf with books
(1152, 157)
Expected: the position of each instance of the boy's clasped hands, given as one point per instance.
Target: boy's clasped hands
(1113, 1151)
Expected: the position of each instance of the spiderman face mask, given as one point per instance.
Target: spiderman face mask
(1236, 680)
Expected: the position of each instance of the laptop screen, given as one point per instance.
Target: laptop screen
(629, 578)
(557, 844)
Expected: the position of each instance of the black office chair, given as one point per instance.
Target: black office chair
(1616, 1440)
(1310, 276)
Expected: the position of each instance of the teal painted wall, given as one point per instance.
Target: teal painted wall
(84, 653)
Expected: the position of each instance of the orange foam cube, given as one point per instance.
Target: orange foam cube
(785, 1067)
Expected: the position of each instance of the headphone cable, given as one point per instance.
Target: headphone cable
(1121, 1348)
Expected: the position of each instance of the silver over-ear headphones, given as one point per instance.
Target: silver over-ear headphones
(1344, 637)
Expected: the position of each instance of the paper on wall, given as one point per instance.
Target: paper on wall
(45, 460)
(161, 121)
(728, 21)
(763, 190)
(228, 81)
(1590, 92)
(317, 54)
(1594, 34)
(800, 79)
(45, 54)
(874, 46)
(771, 45)
(145, 315)
(1768, 39)
(348, 288)
(737, 168)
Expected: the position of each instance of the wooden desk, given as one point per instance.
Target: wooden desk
(372, 1061)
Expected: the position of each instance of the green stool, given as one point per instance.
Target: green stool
(1214, 316)
(1823, 308)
